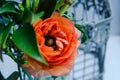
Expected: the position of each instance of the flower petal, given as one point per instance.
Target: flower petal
(62, 58)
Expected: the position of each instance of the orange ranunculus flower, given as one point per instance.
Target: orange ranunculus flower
(57, 42)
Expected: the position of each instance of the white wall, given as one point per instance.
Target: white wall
(115, 23)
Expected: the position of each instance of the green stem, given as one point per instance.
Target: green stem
(64, 5)
(17, 60)
(21, 7)
(1, 57)
(54, 77)
(10, 54)
(28, 75)
(63, 77)
(64, 9)
(59, 4)
(20, 74)
(35, 5)
(28, 4)
(24, 76)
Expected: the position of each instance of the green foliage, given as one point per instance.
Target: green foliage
(35, 16)
(13, 76)
(27, 4)
(35, 5)
(21, 61)
(8, 7)
(31, 17)
(4, 32)
(17, 33)
(47, 6)
(5, 27)
(19, 17)
(5, 20)
(2, 2)
(25, 39)
(27, 16)
(82, 29)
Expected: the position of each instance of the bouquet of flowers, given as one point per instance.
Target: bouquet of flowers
(39, 36)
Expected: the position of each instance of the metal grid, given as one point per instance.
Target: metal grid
(96, 16)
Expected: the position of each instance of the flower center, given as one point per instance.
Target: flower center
(50, 41)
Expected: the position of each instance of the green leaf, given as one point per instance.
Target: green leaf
(2, 2)
(84, 37)
(24, 38)
(27, 16)
(82, 29)
(4, 34)
(8, 7)
(17, 17)
(13, 76)
(6, 20)
(35, 16)
(47, 6)
(30, 17)
(21, 61)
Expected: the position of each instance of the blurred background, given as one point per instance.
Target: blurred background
(112, 64)
(112, 53)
